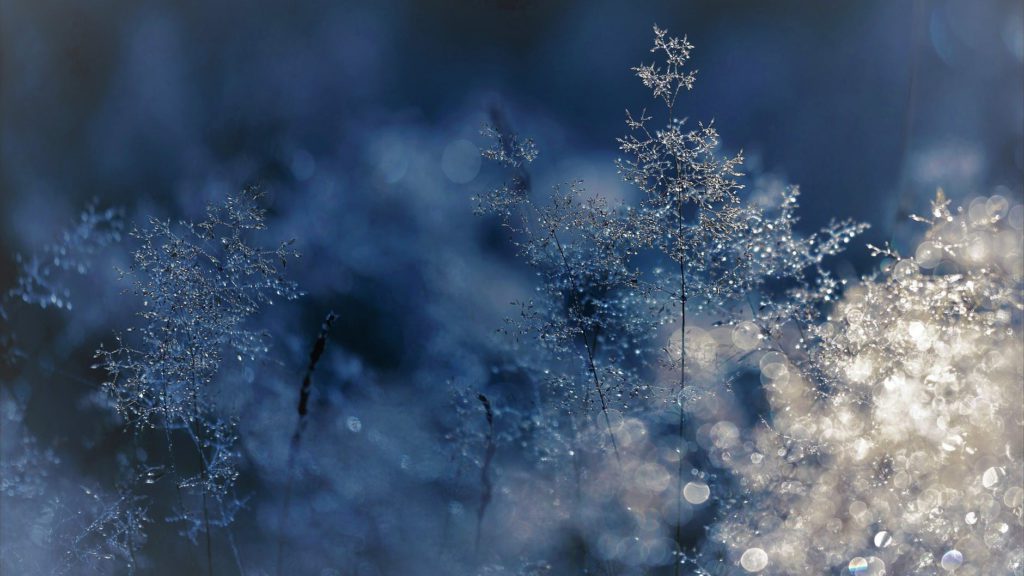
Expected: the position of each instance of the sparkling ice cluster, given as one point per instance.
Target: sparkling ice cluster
(896, 444)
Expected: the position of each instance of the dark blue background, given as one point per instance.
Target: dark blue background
(128, 100)
(343, 111)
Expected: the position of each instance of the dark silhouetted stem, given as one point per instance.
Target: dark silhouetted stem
(209, 537)
(300, 427)
(487, 488)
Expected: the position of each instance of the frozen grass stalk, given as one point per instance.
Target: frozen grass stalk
(300, 428)
(486, 486)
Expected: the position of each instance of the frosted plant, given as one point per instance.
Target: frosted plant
(507, 148)
(691, 214)
(42, 277)
(75, 530)
(576, 246)
(903, 452)
(54, 526)
(101, 531)
(725, 247)
(690, 211)
(199, 283)
(613, 277)
(39, 275)
(778, 252)
(24, 464)
(49, 524)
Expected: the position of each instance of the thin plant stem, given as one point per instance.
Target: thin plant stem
(300, 427)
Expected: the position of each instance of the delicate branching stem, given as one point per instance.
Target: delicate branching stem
(199, 283)
(231, 544)
(594, 259)
(587, 344)
(682, 351)
(577, 469)
(507, 143)
(206, 525)
(203, 470)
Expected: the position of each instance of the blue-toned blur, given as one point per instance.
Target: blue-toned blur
(511, 287)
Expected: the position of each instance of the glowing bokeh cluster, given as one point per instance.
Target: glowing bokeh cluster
(896, 442)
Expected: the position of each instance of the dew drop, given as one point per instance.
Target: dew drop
(904, 269)
(1014, 497)
(883, 539)
(746, 336)
(858, 565)
(997, 206)
(770, 359)
(951, 560)
(928, 255)
(696, 492)
(754, 560)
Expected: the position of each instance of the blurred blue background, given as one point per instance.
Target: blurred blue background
(358, 120)
(857, 102)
